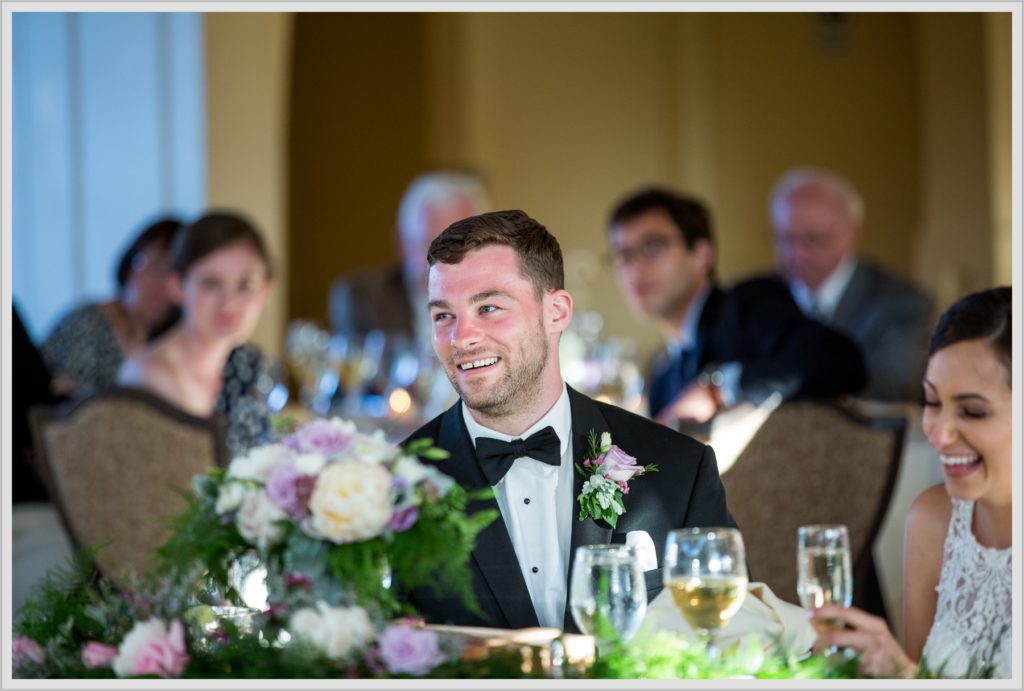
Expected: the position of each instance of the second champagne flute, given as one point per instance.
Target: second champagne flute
(824, 567)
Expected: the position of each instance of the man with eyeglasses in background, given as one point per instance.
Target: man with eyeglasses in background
(723, 345)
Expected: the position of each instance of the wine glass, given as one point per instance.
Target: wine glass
(824, 569)
(706, 572)
(607, 595)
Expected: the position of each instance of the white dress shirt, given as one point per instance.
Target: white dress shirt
(536, 502)
(822, 303)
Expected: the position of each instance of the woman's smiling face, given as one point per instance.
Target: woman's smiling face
(968, 420)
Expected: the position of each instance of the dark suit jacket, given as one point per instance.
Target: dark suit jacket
(370, 299)
(757, 324)
(685, 492)
(891, 320)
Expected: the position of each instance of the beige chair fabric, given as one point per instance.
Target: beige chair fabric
(112, 461)
(814, 462)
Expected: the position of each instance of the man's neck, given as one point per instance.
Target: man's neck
(523, 416)
(681, 325)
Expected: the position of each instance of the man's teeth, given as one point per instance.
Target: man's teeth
(957, 460)
(478, 363)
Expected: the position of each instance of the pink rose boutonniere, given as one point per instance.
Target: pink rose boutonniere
(608, 470)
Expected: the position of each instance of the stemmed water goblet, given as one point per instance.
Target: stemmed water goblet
(607, 595)
(706, 572)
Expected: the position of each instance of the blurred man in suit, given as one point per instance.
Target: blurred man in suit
(393, 299)
(498, 307)
(723, 346)
(817, 218)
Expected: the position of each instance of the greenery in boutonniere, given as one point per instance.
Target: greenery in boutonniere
(608, 470)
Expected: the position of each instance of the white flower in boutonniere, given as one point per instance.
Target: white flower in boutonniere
(608, 470)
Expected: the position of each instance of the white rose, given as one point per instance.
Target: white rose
(309, 463)
(260, 462)
(259, 519)
(410, 470)
(373, 448)
(335, 630)
(230, 497)
(351, 502)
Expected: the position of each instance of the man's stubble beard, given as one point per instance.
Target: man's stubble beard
(517, 387)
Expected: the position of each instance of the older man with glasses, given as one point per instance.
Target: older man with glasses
(723, 346)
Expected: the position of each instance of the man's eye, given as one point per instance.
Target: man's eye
(439, 316)
(487, 309)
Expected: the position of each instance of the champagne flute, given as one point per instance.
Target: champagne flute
(824, 569)
(706, 572)
(607, 595)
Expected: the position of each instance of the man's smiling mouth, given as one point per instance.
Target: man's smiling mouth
(483, 362)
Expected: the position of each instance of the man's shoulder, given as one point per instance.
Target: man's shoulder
(629, 429)
(888, 286)
(430, 430)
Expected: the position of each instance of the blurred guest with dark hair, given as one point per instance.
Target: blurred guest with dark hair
(87, 346)
(724, 346)
(817, 216)
(958, 558)
(220, 277)
(393, 299)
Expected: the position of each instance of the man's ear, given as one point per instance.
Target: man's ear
(175, 290)
(557, 310)
(705, 254)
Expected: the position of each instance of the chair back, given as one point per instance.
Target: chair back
(114, 462)
(815, 461)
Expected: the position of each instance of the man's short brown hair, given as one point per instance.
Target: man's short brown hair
(540, 256)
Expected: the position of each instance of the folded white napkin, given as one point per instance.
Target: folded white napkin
(762, 612)
(643, 546)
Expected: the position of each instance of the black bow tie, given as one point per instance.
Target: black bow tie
(496, 456)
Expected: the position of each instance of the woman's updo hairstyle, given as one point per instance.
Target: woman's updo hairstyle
(982, 316)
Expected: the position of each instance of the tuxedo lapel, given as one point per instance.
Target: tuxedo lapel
(494, 554)
(586, 416)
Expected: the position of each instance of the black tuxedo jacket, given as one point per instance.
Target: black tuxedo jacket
(685, 492)
(757, 324)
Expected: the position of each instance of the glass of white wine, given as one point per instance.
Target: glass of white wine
(706, 572)
(607, 595)
(824, 568)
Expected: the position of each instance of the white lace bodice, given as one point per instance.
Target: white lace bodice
(974, 605)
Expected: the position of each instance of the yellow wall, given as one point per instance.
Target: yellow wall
(247, 93)
(565, 112)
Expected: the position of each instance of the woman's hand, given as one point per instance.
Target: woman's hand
(880, 654)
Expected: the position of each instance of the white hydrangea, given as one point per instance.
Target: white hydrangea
(309, 463)
(259, 520)
(337, 631)
(259, 463)
(373, 448)
(351, 502)
(230, 497)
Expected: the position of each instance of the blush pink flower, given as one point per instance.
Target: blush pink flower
(151, 647)
(618, 465)
(96, 654)
(408, 650)
(327, 437)
(24, 650)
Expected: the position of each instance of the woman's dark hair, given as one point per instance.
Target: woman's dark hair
(204, 236)
(158, 234)
(211, 232)
(982, 316)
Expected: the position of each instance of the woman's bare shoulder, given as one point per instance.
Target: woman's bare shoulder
(928, 516)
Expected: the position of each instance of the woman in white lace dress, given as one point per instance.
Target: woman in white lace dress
(957, 559)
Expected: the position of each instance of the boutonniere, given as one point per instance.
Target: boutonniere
(608, 470)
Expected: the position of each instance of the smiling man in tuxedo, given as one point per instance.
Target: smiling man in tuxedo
(498, 307)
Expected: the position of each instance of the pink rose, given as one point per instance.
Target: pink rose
(25, 650)
(327, 437)
(151, 647)
(96, 654)
(619, 466)
(407, 650)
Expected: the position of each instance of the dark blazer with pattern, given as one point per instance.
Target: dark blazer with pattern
(685, 492)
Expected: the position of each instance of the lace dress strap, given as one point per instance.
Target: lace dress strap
(973, 613)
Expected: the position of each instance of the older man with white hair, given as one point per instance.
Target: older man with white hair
(817, 217)
(393, 299)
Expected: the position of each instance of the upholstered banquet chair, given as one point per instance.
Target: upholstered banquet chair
(815, 462)
(112, 461)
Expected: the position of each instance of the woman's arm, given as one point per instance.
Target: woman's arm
(924, 537)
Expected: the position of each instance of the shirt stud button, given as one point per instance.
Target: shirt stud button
(526, 501)
(535, 569)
